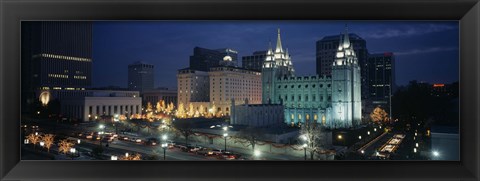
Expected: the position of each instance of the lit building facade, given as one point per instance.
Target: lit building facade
(99, 103)
(140, 76)
(154, 96)
(381, 80)
(193, 86)
(227, 83)
(255, 61)
(333, 101)
(257, 115)
(56, 55)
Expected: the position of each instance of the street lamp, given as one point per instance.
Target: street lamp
(362, 152)
(164, 145)
(126, 155)
(368, 133)
(375, 129)
(256, 153)
(414, 150)
(225, 137)
(25, 141)
(436, 153)
(359, 137)
(101, 126)
(305, 150)
(416, 145)
(42, 143)
(113, 157)
(78, 141)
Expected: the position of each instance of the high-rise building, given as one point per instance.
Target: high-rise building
(241, 85)
(203, 59)
(381, 68)
(140, 76)
(56, 55)
(327, 48)
(255, 61)
(193, 86)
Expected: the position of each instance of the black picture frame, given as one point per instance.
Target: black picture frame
(467, 12)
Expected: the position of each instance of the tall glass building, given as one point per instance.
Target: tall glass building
(55, 55)
(140, 76)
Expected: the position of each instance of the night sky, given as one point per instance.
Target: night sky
(425, 50)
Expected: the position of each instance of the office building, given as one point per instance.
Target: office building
(381, 68)
(255, 61)
(203, 59)
(161, 94)
(193, 86)
(98, 103)
(140, 76)
(55, 55)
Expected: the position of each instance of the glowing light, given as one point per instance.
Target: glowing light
(304, 145)
(362, 152)
(42, 143)
(257, 153)
(374, 129)
(416, 145)
(368, 132)
(225, 134)
(414, 150)
(164, 137)
(78, 141)
(225, 128)
(339, 137)
(126, 154)
(304, 137)
(45, 97)
(436, 153)
(113, 157)
(359, 137)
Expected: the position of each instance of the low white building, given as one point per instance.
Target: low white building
(257, 115)
(102, 103)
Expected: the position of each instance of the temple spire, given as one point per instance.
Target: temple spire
(279, 43)
(346, 40)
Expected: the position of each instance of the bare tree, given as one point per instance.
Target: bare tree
(251, 135)
(313, 136)
(184, 127)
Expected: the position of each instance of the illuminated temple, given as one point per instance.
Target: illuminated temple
(333, 101)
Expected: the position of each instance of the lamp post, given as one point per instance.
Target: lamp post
(305, 150)
(164, 146)
(101, 133)
(72, 152)
(115, 119)
(256, 153)
(225, 135)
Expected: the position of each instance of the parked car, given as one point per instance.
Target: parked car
(230, 156)
(152, 141)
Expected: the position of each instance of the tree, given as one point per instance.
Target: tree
(48, 139)
(184, 127)
(251, 135)
(379, 115)
(314, 136)
(191, 110)
(181, 111)
(64, 146)
(149, 107)
(34, 139)
(135, 156)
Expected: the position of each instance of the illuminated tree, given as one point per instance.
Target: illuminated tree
(159, 106)
(135, 156)
(313, 135)
(181, 111)
(162, 105)
(213, 110)
(48, 139)
(379, 115)
(64, 146)
(202, 110)
(34, 139)
(149, 107)
(191, 110)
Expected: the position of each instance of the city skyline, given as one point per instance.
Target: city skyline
(431, 46)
